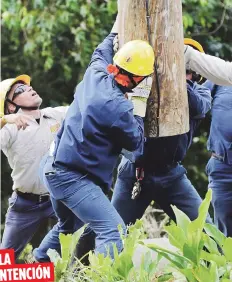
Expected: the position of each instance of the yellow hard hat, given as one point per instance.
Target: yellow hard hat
(194, 44)
(136, 57)
(5, 86)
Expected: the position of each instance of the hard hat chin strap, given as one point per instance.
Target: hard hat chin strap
(17, 107)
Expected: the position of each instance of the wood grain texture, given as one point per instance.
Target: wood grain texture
(167, 40)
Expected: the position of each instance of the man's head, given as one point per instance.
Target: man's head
(17, 93)
(132, 63)
(191, 75)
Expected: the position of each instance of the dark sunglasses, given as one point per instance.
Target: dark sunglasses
(21, 88)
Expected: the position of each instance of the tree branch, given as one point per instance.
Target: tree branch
(216, 29)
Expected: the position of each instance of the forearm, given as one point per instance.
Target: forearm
(210, 67)
(103, 54)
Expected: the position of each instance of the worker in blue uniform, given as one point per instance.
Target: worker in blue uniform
(159, 172)
(219, 167)
(100, 122)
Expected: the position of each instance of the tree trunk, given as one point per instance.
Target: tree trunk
(167, 111)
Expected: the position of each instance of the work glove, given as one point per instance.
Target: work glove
(116, 44)
(140, 95)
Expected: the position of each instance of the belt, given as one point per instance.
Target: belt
(33, 197)
(217, 157)
(156, 170)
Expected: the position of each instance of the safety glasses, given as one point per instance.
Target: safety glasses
(21, 88)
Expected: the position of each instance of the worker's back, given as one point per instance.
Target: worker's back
(86, 141)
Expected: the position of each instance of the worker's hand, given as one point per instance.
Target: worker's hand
(140, 95)
(20, 120)
(116, 44)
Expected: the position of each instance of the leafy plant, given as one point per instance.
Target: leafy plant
(203, 256)
(64, 263)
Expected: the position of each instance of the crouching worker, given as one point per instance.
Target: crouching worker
(99, 123)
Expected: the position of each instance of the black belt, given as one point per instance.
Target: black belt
(157, 170)
(33, 197)
(217, 157)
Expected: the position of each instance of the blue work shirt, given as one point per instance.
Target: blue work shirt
(99, 122)
(159, 153)
(220, 137)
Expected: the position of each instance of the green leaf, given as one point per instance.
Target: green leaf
(176, 236)
(227, 249)
(198, 224)
(48, 63)
(215, 233)
(182, 219)
(178, 260)
(203, 274)
(188, 273)
(218, 259)
(210, 244)
(84, 11)
(165, 277)
(214, 272)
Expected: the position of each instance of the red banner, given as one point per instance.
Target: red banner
(9, 271)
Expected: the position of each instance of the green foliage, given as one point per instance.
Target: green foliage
(62, 263)
(122, 268)
(103, 268)
(26, 254)
(199, 258)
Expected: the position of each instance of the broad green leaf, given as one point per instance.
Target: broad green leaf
(188, 273)
(68, 243)
(182, 219)
(179, 260)
(203, 211)
(215, 233)
(176, 236)
(210, 244)
(165, 277)
(123, 264)
(218, 259)
(203, 274)
(214, 272)
(194, 246)
(227, 249)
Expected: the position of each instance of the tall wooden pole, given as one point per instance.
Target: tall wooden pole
(167, 110)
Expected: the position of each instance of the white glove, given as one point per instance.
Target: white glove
(140, 95)
(116, 44)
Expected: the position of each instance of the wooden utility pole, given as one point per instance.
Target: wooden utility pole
(167, 111)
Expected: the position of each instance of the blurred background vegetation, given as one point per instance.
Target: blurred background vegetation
(52, 41)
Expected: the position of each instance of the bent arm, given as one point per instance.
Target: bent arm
(210, 67)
